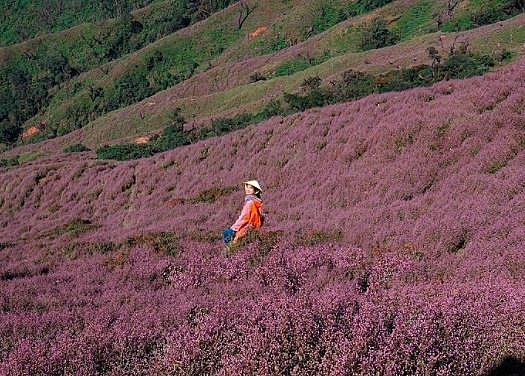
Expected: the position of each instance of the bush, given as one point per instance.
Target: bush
(406, 78)
(256, 76)
(464, 65)
(377, 36)
(316, 98)
(353, 85)
(311, 83)
(272, 108)
(173, 135)
(224, 125)
(124, 152)
(76, 148)
(9, 162)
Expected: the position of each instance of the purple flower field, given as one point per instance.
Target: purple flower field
(394, 245)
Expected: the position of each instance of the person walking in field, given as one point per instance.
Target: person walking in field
(251, 215)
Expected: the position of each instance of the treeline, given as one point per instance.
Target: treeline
(355, 84)
(352, 85)
(31, 76)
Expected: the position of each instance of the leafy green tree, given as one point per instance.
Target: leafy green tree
(9, 133)
(353, 85)
(173, 135)
(132, 87)
(377, 36)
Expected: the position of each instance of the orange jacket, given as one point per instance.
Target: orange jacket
(251, 216)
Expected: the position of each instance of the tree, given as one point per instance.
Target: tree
(9, 133)
(377, 36)
(244, 12)
(436, 61)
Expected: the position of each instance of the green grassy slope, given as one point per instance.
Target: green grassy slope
(211, 64)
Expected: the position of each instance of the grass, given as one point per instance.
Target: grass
(30, 156)
(221, 42)
(416, 20)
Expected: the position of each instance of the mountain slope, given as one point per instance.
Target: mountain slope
(390, 156)
(394, 238)
(393, 242)
(197, 59)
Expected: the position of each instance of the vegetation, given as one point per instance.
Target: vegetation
(481, 13)
(351, 86)
(63, 81)
(33, 79)
(354, 85)
(76, 148)
(377, 36)
(393, 240)
(9, 162)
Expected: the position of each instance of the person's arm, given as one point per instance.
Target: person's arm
(244, 217)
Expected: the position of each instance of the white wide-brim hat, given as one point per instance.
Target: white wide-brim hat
(255, 184)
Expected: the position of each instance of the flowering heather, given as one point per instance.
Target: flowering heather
(394, 245)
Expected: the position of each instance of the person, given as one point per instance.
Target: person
(251, 215)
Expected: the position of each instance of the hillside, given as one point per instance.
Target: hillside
(394, 245)
(125, 95)
(393, 242)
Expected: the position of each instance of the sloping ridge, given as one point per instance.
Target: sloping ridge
(438, 169)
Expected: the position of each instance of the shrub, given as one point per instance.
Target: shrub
(316, 98)
(224, 125)
(9, 162)
(291, 66)
(124, 152)
(170, 138)
(353, 85)
(406, 78)
(257, 76)
(173, 135)
(311, 83)
(377, 36)
(273, 108)
(76, 148)
(463, 65)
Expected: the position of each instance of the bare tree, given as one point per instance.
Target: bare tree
(244, 12)
(451, 5)
(442, 17)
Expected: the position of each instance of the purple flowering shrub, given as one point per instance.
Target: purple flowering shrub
(393, 245)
